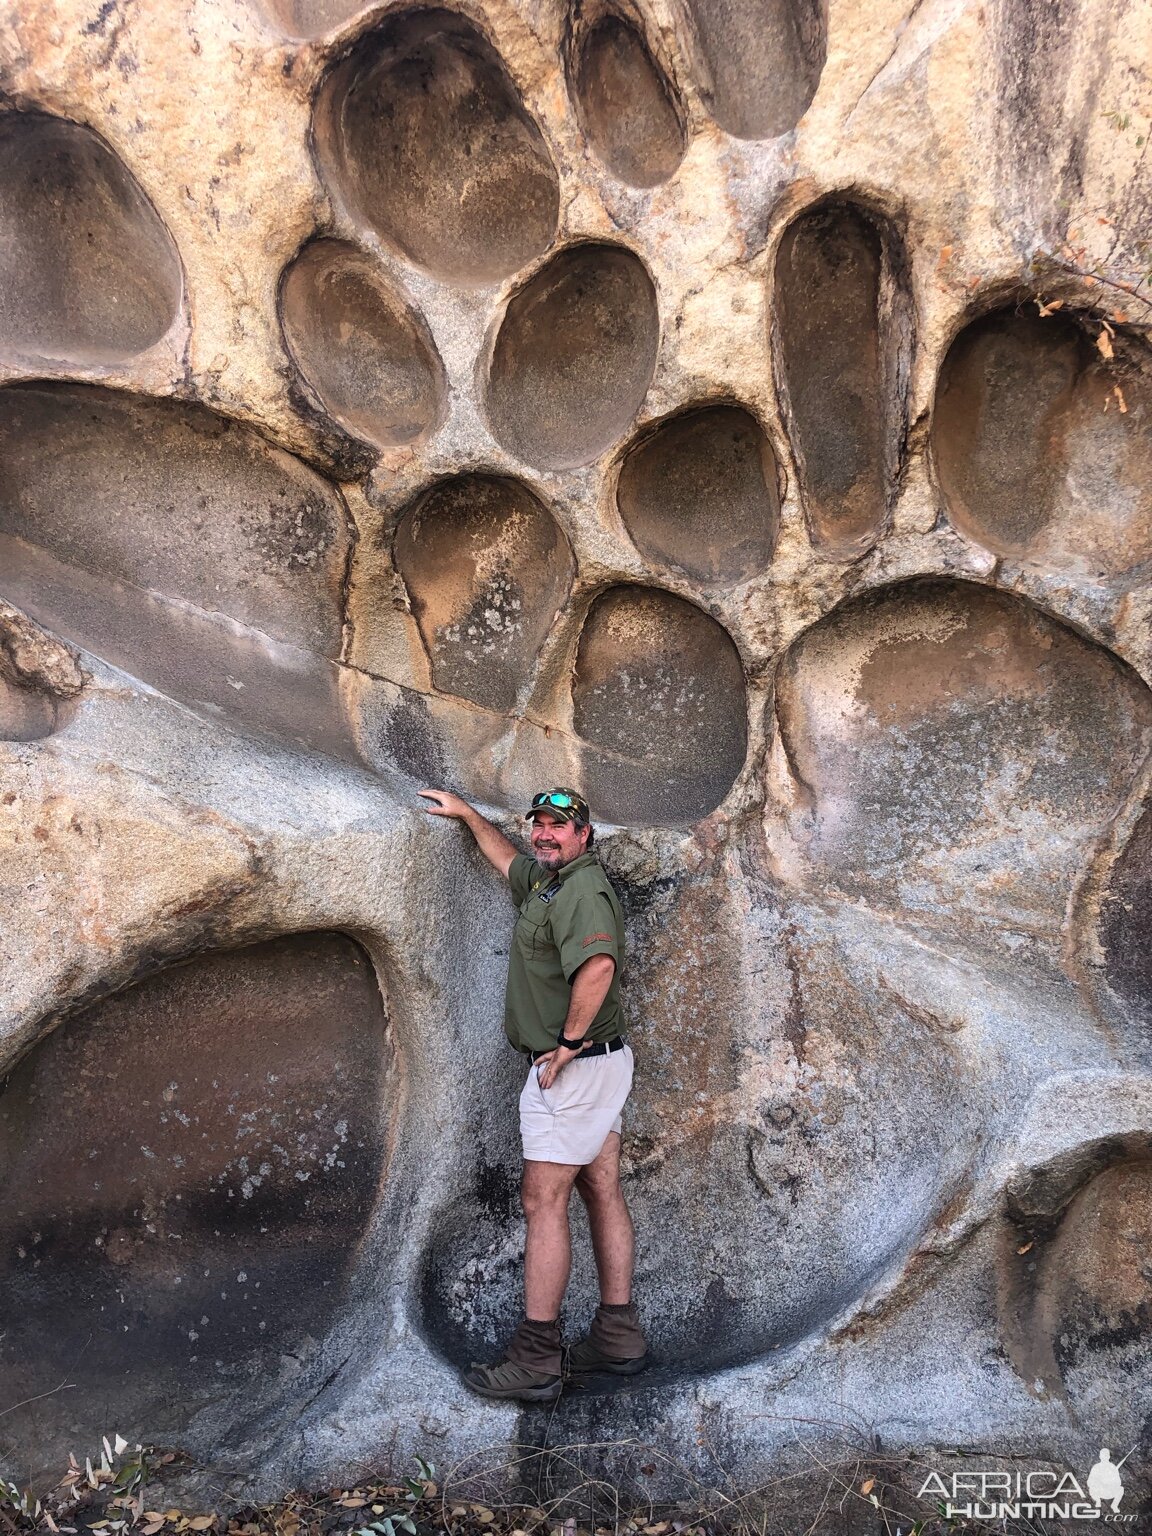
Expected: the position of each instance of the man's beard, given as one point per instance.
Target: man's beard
(551, 858)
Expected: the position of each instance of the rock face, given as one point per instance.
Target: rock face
(739, 408)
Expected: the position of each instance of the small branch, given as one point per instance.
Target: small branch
(65, 1386)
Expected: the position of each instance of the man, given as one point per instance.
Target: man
(562, 1009)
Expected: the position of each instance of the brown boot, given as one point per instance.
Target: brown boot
(530, 1369)
(614, 1343)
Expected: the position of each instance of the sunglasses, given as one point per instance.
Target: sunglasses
(561, 801)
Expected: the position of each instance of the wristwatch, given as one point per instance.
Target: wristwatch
(571, 1045)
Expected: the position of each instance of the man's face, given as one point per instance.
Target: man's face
(556, 842)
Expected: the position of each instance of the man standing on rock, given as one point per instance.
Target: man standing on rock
(562, 1009)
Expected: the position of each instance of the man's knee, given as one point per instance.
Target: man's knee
(545, 1187)
(599, 1182)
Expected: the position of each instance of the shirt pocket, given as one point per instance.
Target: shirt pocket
(529, 924)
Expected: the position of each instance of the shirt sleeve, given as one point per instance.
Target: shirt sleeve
(584, 924)
(520, 877)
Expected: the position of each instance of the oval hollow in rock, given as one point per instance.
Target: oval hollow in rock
(659, 694)
(1036, 458)
(1125, 919)
(956, 756)
(625, 102)
(366, 354)
(762, 61)
(700, 493)
(487, 570)
(169, 498)
(421, 132)
(837, 378)
(88, 272)
(574, 357)
(196, 1251)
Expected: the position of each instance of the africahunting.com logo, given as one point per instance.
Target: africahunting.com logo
(1038, 1495)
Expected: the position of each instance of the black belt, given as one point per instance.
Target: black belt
(603, 1048)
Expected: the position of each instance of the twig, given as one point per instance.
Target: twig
(64, 1386)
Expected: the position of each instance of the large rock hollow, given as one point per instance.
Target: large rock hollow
(700, 492)
(464, 549)
(186, 1171)
(88, 272)
(1043, 446)
(760, 60)
(363, 350)
(956, 756)
(178, 545)
(627, 106)
(659, 700)
(421, 132)
(574, 356)
(836, 280)
(1076, 1284)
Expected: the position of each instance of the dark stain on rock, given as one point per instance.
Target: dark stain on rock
(408, 737)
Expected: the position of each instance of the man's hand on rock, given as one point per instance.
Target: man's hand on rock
(489, 839)
(443, 803)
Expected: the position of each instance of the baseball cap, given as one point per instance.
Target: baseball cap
(564, 804)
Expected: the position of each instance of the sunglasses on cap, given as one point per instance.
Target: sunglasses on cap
(571, 807)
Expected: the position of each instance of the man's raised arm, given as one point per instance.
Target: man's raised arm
(489, 839)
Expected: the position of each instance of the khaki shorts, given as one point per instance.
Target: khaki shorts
(571, 1122)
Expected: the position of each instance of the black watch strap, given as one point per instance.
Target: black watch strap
(571, 1045)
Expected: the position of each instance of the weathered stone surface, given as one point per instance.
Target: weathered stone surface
(334, 333)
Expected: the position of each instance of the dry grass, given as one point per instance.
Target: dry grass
(521, 1491)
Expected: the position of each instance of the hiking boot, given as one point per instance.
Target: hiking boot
(615, 1343)
(507, 1379)
(530, 1369)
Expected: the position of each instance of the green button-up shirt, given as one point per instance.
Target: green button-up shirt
(565, 917)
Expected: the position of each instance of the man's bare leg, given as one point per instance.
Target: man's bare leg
(545, 1193)
(615, 1342)
(613, 1235)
